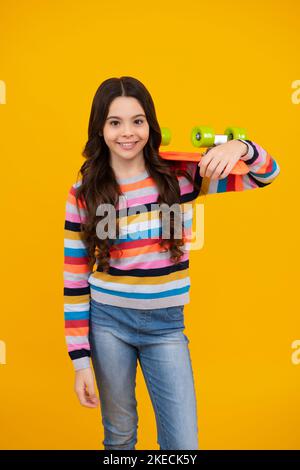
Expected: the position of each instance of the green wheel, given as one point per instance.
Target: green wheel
(203, 136)
(165, 136)
(235, 133)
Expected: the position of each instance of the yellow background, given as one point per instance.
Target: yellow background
(213, 63)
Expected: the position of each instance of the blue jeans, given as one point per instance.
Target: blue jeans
(118, 338)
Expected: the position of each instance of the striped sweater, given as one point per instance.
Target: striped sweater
(140, 272)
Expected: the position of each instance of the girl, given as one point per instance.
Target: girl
(131, 306)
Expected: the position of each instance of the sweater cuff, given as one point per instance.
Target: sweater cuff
(250, 152)
(81, 363)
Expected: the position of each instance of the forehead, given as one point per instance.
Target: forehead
(125, 106)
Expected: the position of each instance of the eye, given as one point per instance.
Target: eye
(137, 120)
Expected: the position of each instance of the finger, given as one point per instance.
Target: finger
(218, 170)
(226, 171)
(85, 401)
(90, 392)
(203, 159)
(88, 404)
(203, 164)
(92, 398)
(84, 398)
(91, 401)
(211, 167)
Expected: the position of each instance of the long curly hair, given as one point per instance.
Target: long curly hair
(98, 181)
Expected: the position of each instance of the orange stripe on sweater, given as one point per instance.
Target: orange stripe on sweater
(77, 331)
(76, 268)
(138, 185)
(129, 252)
(72, 199)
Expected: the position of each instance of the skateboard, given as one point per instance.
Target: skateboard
(205, 137)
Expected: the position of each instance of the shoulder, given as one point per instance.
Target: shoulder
(74, 187)
(72, 194)
(77, 184)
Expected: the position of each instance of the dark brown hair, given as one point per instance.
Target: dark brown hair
(99, 184)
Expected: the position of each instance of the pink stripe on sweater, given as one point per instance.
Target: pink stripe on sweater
(151, 264)
(139, 200)
(73, 217)
(75, 347)
(75, 284)
(186, 188)
(151, 198)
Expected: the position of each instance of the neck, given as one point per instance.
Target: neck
(126, 169)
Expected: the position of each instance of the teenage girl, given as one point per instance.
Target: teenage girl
(130, 307)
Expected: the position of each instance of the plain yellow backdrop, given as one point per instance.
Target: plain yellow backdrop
(205, 63)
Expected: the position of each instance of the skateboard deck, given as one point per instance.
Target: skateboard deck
(205, 138)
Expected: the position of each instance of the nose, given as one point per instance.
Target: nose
(126, 131)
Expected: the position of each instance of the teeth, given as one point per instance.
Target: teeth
(127, 145)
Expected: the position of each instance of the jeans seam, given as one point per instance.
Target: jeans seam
(155, 402)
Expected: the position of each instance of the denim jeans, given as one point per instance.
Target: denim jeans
(118, 338)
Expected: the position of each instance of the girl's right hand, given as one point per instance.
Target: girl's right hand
(85, 389)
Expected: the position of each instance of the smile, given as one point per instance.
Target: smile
(127, 145)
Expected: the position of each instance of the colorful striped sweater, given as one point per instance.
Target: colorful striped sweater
(142, 273)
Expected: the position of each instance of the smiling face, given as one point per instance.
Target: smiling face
(126, 123)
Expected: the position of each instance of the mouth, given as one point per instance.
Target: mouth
(127, 145)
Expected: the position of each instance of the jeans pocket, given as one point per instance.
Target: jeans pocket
(100, 314)
(175, 313)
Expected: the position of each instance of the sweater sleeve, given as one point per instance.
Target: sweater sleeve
(76, 286)
(263, 169)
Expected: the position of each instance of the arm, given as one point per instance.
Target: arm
(76, 286)
(263, 170)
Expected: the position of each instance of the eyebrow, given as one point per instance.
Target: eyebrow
(118, 117)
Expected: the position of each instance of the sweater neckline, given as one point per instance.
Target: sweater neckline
(133, 179)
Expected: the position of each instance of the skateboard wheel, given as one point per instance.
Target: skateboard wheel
(235, 133)
(203, 136)
(165, 136)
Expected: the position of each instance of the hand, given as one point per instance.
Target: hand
(218, 161)
(84, 387)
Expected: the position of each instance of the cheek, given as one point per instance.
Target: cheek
(145, 135)
(111, 136)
